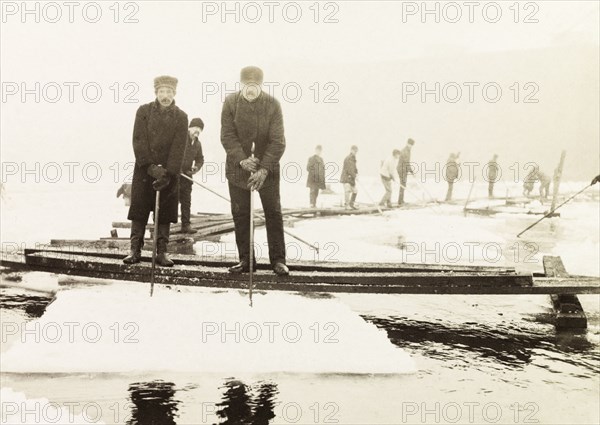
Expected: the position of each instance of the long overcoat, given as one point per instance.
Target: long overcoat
(316, 172)
(159, 137)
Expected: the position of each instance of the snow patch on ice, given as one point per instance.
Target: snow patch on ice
(119, 328)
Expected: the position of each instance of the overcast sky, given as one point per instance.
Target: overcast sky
(347, 69)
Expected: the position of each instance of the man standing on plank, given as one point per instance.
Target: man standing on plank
(192, 163)
(388, 172)
(253, 117)
(404, 167)
(492, 174)
(348, 179)
(316, 175)
(451, 173)
(159, 137)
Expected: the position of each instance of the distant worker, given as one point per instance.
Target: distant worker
(404, 167)
(125, 191)
(349, 175)
(388, 172)
(192, 163)
(544, 184)
(493, 170)
(529, 181)
(316, 175)
(452, 172)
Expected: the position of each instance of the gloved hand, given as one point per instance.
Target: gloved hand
(596, 180)
(157, 171)
(250, 164)
(160, 184)
(256, 180)
(194, 170)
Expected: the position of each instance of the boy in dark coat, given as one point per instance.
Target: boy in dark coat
(192, 163)
(404, 167)
(250, 118)
(159, 137)
(316, 175)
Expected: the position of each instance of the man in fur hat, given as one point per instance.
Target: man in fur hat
(250, 118)
(159, 137)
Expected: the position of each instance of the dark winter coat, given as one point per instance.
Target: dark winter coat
(349, 170)
(193, 156)
(159, 137)
(243, 123)
(404, 163)
(492, 171)
(316, 172)
(451, 169)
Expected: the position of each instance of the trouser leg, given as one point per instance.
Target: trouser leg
(314, 193)
(240, 210)
(449, 193)
(347, 193)
(271, 202)
(185, 199)
(403, 179)
(491, 189)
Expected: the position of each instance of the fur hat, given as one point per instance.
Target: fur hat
(165, 81)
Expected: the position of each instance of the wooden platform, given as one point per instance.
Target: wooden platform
(313, 277)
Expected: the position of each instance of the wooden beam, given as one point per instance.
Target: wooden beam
(569, 313)
(332, 266)
(389, 283)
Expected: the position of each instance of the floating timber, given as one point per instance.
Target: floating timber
(568, 309)
(331, 277)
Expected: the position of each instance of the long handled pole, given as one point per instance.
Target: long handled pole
(469, 195)
(552, 211)
(155, 240)
(414, 194)
(257, 215)
(251, 252)
(371, 198)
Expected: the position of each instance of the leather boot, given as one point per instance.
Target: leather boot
(187, 228)
(162, 259)
(138, 230)
(241, 267)
(281, 269)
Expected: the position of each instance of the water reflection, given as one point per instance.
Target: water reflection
(153, 403)
(244, 404)
(511, 347)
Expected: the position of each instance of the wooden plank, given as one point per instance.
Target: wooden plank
(432, 283)
(388, 283)
(569, 313)
(333, 266)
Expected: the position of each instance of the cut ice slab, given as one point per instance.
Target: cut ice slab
(119, 328)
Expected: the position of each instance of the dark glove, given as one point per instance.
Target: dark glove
(250, 164)
(157, 171)
(596, 180)
(256, 180)
(160, 184)
(194, 170)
